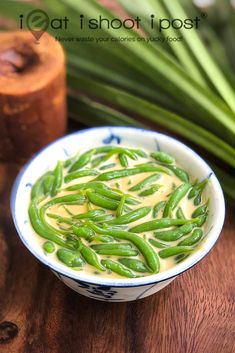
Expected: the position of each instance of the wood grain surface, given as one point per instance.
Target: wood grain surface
(38, 314)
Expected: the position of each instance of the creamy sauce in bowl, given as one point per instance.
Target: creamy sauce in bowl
(140, 252)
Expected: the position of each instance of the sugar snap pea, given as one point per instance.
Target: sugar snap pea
(79, 174)
(70, 258)
(150, 191)
(192, 239)
(134, 265)
(174, 250)
(118, 268)
(158, 244)
(158, 207)
(145, 182)
(58, 174)
(175, 198)
(159, 224)
(163, 157)
(121, 173)
(141, 244)
(131, 216)
(176, 233)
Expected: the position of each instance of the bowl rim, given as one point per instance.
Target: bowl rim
(133, 282)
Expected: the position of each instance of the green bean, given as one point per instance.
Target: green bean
(180, 213)
(41, 227)
(174, 234)
(83, 232)
(145, 182)
(120, 207)
(72, 241)
(58, 174)
(179, 258)
(118, 268)
(68, 162)
(174, 250)
(49, 247)
(175, 198)
(112, 246)
(150, 191)
(48, 183)
(97, 161)
(180, 173)
(121, 173)
(107, 166)
(192, 239)
(162, 157)
(158, 244)
(159, 224)
(142, 245)
(88, 185)
(74, 199)
(90, 214)
(123, 160)
(102, 201)
(79, 174)
(158, 207)
(200, 211)
(201, 219)
(103, 238)
(70, 258)
(197, 200)
(141, 153)
(198, 188)
(134, 264)
(82, 161)
(37, 190)
(104, 218)
(117, 252)
(60, 219)
(131, 216)
(90, 256)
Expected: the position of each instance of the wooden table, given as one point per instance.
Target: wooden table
(38, 314)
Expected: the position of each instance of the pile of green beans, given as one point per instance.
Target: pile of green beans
(88, 218)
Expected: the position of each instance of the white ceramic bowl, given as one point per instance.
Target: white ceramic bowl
(115, 290)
